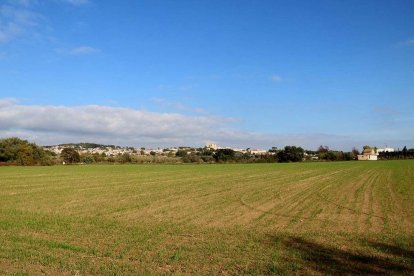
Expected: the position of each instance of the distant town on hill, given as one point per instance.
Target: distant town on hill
(15, 151)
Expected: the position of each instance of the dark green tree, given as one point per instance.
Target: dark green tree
(224, 155)
(290, 154)
(355, 152)
(181, 153)
(70, 156)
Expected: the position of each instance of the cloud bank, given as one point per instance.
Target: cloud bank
(52, 124)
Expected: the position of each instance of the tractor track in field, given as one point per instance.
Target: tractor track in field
(348, 208)
(275, 213)
(307, 193)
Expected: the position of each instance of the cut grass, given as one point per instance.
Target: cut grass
(323, 218)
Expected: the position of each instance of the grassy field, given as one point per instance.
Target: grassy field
(319, 218)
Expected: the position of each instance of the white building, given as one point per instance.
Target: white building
(386, 149)
(258, 152)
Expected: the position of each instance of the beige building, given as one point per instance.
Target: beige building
(368, 154)
(212, 146)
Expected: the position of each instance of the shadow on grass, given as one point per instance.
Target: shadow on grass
(319, 258)
(394, 250)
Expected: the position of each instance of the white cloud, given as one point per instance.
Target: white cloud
(5, 102)
(16, 21)
(276, 78)
(79, 51)
(53, 124)
(124, 125)
(19, 19)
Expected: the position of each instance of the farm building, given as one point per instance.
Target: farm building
(368, 154)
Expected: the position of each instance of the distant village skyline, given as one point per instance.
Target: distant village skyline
(117, 149)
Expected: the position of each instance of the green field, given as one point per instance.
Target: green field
(321, 218)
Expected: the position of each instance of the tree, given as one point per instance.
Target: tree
(290, 154)
(181, 153)
(347, 156)
(21, 152)
(331, 156)
(88, 159)
(124, 158)
(70, 156)
(323, 153)
(404, 152)
(191, 158)
(224, 155)
(273, 149)
(355, 152)
(323, 149)
(206, 151)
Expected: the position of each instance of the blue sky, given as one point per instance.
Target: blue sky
(238, 73)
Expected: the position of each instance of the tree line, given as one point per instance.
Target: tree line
(399, 154)
(15, 151)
